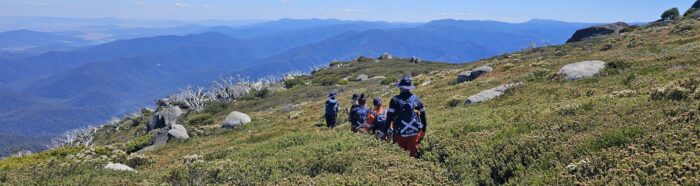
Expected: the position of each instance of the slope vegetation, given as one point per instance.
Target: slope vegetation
(636, 122)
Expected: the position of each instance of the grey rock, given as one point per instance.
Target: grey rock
(581, 69)
(385, 56)
(235, 119)
(362, 77)
(378, 77)
(597, 30)
(164, 118)
(163, 102)
(118, 167)
(490, 94)
(473, 74)
(415, 59)
(178, 132)
(161, 138)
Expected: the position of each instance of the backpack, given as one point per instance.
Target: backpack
(331, 108)
(359, 116)
(407, 122)
(379, 120)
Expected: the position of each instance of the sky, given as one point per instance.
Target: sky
(372, 10)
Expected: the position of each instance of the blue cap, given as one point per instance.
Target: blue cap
(406, 83)
(377, 101)
(331, 95)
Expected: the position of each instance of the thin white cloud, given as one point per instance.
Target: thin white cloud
(285, 1)
(138, 3)
(181, 5)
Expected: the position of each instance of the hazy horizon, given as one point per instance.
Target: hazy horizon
(412, 11)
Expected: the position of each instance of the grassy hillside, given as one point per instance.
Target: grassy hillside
(634, 123)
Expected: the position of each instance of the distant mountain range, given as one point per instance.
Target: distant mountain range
(45, 93)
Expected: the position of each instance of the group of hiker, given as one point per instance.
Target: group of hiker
(404, 122)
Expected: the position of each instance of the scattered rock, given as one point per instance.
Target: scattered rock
(597, 30)
(473, 74)
(581, 69)
(362, 77)
(415, 59)
(166, 117)
(118, 167)
(294, 115)
(385, 56)
(178, 131)
(235, 119)
(490, 93)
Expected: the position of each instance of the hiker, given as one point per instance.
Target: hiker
(407, 116)
(332, 109)
(353, 104)
(377, 119)
(359, 114)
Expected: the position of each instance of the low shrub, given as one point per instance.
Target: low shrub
(327, 81)
(139, 143)
(291, 83)
(618, 137)
(389, 80)
(200, 119)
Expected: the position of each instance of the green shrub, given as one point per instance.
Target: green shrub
(137, 160)
(216, 107)
(139, 143)
(327, 81)
(342, 82)
(537, 74)
(618, 137)
(264, 93)
(508, 66)
(200, 119)
(389, 80)
(290, 83)
(456, 101)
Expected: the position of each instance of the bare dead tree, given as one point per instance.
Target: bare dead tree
(76, 137)
(195, 99)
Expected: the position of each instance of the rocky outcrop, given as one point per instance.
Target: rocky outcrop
(473, 74)
(694, 11)
(178, 132)
(119, 167)
(598, 30)
(385, 56)
(415, 59)
(164, 118)
(581, 69)
(235, 119)
(670, 15)
(490, 94)
(362, 77)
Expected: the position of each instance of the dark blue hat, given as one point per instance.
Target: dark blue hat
(377, 101)
(331, 95)
(406, 83)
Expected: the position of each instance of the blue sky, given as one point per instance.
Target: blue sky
(384, 10)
